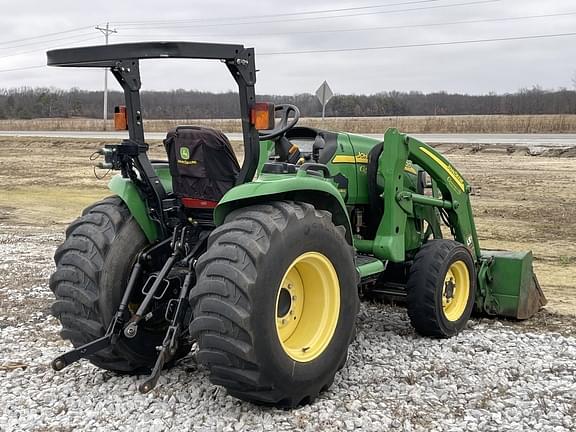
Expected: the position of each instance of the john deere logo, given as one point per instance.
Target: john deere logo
(185, 153)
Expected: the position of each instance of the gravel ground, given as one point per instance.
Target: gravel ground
(495, 376)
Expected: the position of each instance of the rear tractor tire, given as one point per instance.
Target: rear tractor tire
(275, 303)
(92, 269)
(441, 289)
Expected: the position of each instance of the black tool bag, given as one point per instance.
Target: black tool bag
(202, 162)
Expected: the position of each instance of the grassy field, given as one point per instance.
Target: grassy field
(520, 202)
(424, 124)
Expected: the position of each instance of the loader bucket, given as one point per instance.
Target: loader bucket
(508, 286)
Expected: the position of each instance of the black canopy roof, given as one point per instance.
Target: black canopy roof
(108, 55)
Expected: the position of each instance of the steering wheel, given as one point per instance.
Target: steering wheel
(285, 123)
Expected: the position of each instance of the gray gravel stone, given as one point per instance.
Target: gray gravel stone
(491, 377)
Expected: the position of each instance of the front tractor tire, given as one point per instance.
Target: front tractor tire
(275, 303)
(441, 289)
(92, 269)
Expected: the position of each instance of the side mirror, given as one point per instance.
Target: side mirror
(262, 116)
(120, 118)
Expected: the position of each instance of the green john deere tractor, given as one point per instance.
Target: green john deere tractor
(261, 266)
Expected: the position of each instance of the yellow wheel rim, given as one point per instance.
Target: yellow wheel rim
(456, 291)
(307, 306)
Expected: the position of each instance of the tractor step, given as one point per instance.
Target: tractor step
(371, 283)
(391, 290)
(369, 266)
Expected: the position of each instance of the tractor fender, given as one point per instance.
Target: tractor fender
(128, 192)
(321, 193)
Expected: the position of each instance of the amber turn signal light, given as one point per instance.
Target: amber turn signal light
(120, 119)
(262, 116)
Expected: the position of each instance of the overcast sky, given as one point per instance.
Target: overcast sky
(294, 25)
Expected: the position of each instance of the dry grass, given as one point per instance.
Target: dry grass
(423, 124)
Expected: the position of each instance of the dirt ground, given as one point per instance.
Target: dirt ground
(524, 202)
(520, 202)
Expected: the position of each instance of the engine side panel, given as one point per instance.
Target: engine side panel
(343, 167)
(351, 160)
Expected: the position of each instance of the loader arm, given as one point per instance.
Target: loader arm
(507, 285)
(389, 242)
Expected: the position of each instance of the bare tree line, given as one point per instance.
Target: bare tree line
(25, 103)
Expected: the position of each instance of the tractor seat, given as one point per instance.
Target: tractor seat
(203, 165)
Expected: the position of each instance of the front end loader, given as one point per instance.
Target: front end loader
(258, 268)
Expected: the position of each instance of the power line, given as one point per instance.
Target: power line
(420, 45)
(471, 3)
(360, 29)
(277, 15)
(45, 35)
(43, 41)
(45, 48)
(39, 50)
(22, 68)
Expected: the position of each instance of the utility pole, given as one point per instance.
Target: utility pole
(106, 31)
